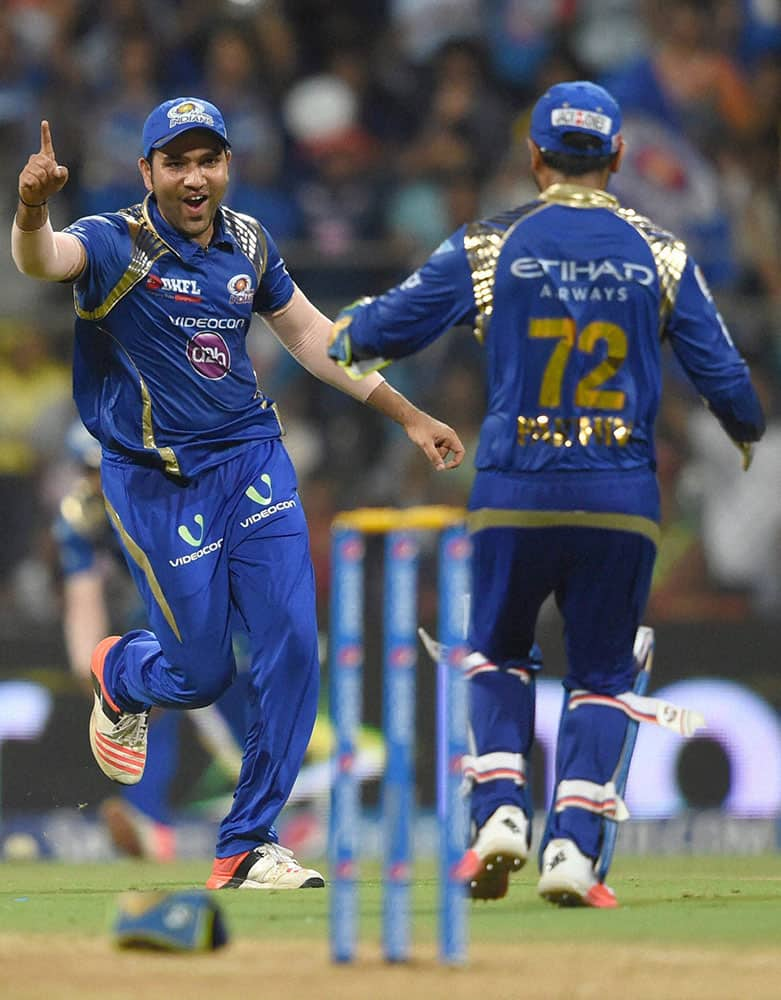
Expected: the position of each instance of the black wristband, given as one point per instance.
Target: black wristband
(27, 204)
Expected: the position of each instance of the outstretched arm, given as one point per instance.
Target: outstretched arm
(304, 331)
(439, 442)
(36, 249)
(707, 354)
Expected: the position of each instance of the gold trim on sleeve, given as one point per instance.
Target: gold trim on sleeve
(148, 247)
(669, 255)
(483, 243)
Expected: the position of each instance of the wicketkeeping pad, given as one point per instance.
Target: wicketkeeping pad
(179, 921)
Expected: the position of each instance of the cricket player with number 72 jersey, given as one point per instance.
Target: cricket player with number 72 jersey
(572, 297)
(198, 486)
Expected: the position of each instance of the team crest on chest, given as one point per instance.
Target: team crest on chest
(241, 288)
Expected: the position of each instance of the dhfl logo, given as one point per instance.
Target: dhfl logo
(454, 765)
(350, 656)
(179, 289)
(402, 656)
(345, 869)
(346, 762)
(351, 550)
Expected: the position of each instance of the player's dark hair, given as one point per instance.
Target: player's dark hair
(577, 162)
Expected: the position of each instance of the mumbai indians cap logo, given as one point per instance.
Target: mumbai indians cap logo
(240, 288)
(189, 113)
(209, 355)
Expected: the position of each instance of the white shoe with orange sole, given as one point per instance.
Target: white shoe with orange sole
(268, 866)
(568, 878)
(500, 848)
(117, 738)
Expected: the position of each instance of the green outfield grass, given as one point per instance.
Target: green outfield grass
(713, 902)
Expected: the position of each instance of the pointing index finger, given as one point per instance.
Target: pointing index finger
(46, 139)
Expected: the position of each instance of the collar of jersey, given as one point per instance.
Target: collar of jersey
(182, 246)
(579, 196)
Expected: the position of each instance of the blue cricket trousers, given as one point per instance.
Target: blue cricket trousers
(227, 549)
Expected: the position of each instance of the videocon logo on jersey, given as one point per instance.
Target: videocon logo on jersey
(263, 498)
(188, 536)
(193, 534)
(256, 496)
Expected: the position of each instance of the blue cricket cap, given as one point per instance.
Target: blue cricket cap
(580, 106)
(172, 118)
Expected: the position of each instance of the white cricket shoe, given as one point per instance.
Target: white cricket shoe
(118, 739)
(568, 878)
(500, 847)
(268, 866)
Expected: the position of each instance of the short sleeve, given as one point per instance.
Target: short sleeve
(276, 286)
(106, 240)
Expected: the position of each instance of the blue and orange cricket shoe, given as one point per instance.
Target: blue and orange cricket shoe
(117, 738)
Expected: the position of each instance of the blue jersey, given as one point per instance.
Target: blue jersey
(161, 370)
(571, 296)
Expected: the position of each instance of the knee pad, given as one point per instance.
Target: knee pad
(596, 740)
(501, 731)
(597, 734)
(591, 740)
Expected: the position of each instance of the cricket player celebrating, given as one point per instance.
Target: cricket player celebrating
(571, 296)
(197, 483)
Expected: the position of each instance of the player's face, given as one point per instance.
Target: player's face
(188, 177)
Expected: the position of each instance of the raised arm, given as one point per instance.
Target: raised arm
(36, 249)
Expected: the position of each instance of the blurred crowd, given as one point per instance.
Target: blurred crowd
(363, 134)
